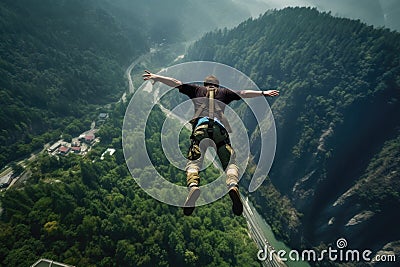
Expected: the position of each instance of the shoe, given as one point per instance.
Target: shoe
(190, 202)
(237, 205)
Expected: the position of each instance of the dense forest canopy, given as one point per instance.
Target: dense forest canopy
(90, 212)
(336, 117)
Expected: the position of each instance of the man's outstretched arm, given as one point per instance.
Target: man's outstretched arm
(158, 78)
(254, 93)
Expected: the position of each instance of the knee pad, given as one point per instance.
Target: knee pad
(232, 174)
(192, 176)
(192, 171)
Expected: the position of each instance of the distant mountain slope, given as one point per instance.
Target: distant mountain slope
(176, 20)
(337, 118)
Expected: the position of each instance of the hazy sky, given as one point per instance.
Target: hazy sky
(374, 12)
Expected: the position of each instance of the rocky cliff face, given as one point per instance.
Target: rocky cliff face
(356, 188)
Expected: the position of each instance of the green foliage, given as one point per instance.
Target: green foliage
(91, 212)
(338, 106)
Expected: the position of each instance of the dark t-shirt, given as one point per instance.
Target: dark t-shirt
(198, 94)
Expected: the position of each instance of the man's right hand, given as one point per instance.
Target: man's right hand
(158, 78)
(150, 76)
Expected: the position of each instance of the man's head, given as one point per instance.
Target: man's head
(211, 80)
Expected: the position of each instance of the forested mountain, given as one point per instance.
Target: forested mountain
(337, 157)
(60, 60)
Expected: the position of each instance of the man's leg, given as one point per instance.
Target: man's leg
(192, 171)
(192, 181)
(226, 155)
(232, 181)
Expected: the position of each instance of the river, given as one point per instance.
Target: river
(271, 239)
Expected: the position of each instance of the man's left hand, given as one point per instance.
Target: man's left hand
(271, 93)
